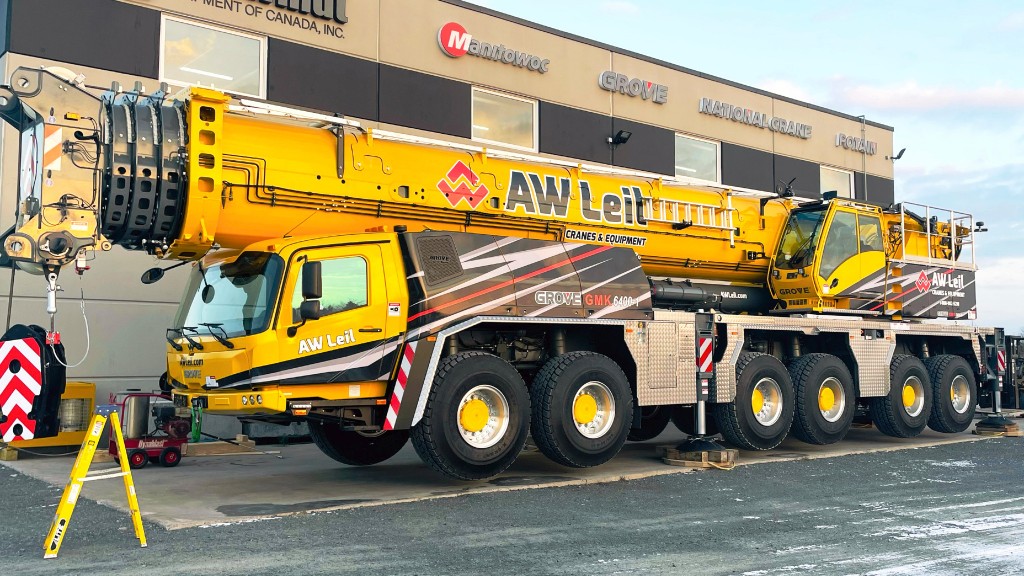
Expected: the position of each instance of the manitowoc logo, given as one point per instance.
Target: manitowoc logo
(455, 41)
(461, 183)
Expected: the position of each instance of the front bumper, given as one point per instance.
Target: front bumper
(274, 401)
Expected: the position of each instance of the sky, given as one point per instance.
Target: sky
(946, 75)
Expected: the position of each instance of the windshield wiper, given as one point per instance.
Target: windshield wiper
(183, 332)
(804, 249)
(222, 339)
(167, 335)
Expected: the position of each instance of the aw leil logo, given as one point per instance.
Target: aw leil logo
(461, 183)
(923, 282)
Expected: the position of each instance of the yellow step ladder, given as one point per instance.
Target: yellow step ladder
(80, 475)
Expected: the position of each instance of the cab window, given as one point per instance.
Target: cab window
(840, 244)
(870, 233)
(344, 282)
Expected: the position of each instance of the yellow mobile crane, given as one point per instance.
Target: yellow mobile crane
(377, 285)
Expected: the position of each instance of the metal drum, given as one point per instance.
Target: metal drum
(136, 416)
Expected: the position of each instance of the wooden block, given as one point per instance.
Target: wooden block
(662, 451)
(8, 454)
(103, 456)
(1012, 431)
(218, 448)
(708, 459)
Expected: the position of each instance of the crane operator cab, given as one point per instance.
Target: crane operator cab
(828, 256)
(843, 256)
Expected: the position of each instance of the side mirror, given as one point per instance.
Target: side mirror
(312, 287)
(152, 275)
(309, 310)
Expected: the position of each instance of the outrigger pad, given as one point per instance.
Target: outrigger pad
(31, 384)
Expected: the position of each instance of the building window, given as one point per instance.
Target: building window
(193, 54)
(697, 158)
(839, 181)
(504, 119)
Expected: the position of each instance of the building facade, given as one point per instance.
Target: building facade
(439, 68)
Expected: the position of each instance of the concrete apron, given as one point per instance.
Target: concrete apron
(217, 490)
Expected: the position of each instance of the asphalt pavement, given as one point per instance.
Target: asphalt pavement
(950, 509)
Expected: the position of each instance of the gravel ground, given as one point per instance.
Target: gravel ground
(954, 509)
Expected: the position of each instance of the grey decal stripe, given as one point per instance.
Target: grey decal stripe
(426, 329)
(622, 306)
(506, 264)
(540, 311)
(337, 365)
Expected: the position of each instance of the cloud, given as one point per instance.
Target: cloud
(994, 196)
(619, 7)
(911, 96)
(1013, 22)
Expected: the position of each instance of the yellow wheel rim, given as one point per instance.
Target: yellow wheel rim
(832, 399)
(584, 409)
(826, 399)
(757, 401)
(909, 396)
(474, 415)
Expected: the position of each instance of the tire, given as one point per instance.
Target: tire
(653, 421)
(137, 459)
(904, 411)
(356, 448)
(582, 409)
(685, 419)
(825, 399)
(477, 417)
(768, 427)
(954, 392)
(170, 457)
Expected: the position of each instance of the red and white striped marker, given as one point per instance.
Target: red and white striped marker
(1001, 360)
(53, 140)
(403, 376)
(20, 382)
(704, 350)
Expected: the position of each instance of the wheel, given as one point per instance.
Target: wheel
(356, 448)
(685, 419)
(825, 399)
(760, 416)
(904, 411)
(137, 459)
(653, 421)
(170, 457)
(955, 393)
(582, 408)
(477, 417)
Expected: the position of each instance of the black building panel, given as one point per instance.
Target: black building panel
(320, 79)
(99, 33)
(650, 148)
(807, 174)
(747, 167)
(425, 102)
(574, 133)
(5, 24)
(880, 190)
